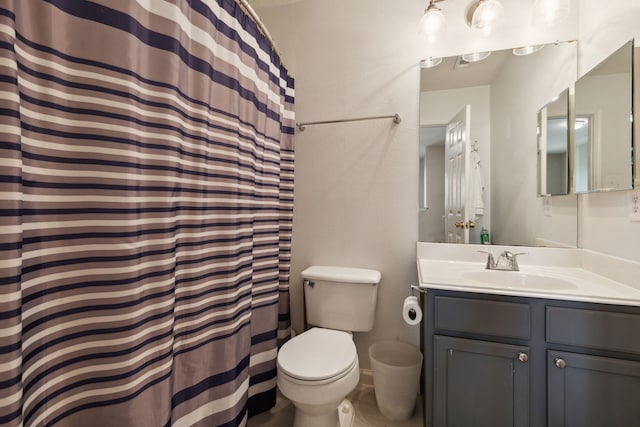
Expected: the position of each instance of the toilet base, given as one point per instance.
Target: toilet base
(343, 416)
(346, 414)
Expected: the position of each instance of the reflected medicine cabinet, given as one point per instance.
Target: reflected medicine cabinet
(596, 153)
(603, 158)
(553, 146)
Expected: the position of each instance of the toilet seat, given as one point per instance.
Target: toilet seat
(318, 356)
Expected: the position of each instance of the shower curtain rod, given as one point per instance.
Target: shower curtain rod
(303, 125)
(263, 29)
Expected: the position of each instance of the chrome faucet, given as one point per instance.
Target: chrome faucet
(507, 261)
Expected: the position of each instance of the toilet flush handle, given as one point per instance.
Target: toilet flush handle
(309, 283)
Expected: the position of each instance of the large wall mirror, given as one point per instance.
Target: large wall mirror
(603, 123)
(478, 148)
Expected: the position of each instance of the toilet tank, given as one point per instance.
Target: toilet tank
(341, 298)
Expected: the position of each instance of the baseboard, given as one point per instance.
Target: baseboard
(366, 378)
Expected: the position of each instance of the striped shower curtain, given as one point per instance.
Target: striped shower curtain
(146, 196)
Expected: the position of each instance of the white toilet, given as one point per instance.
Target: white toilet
(319, 368)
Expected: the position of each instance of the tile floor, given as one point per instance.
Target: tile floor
(364, 402)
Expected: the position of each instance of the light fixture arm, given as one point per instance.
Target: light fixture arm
(432, 5)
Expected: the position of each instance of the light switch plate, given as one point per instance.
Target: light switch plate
(634, 205)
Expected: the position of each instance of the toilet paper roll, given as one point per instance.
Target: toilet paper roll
(411, 311)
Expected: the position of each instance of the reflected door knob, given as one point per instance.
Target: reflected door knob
(560, 363)
(459, 224)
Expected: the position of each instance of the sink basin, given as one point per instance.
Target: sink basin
(518, 280)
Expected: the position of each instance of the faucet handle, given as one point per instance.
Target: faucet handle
(491, 264)
(514, 255)
(509, 254)
(513, 260)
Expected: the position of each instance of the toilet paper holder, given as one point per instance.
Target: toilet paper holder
(411, 312)
(416, 288)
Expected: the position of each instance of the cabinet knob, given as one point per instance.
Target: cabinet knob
(523, 357)
(560, 363)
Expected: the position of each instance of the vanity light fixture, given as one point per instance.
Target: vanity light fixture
(550, 12)
(475, 57)
(481, 14)
(527, 50)
(432, 21)
(430, 62)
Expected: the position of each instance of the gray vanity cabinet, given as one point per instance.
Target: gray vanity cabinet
(493, 360)
(591, 391)
(480, 383)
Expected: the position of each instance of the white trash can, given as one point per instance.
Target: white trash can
(396, 369)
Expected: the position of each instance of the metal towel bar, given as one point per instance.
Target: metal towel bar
(303, 125)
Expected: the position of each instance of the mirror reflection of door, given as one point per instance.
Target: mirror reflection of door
(553, 146)
(557, 178)
(583, 130)
(431, 184)
(456, 177)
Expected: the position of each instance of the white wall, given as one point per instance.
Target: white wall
(356, 183)
(604, 217)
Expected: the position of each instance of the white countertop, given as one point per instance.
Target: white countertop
(565, 282)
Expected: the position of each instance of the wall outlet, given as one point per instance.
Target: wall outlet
(547, 206)
(634, 205)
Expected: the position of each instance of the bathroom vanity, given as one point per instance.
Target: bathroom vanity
(506, 348)
(511, 361)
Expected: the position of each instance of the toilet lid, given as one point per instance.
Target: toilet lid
(317, 354)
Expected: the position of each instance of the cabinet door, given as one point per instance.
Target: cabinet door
(480, 383)
(590, 391)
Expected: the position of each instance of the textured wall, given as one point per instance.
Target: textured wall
(356, 197)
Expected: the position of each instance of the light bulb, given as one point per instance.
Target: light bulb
(486, 13)
(430, 62)
(432, 22)
(476, 56)
(527, 50)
